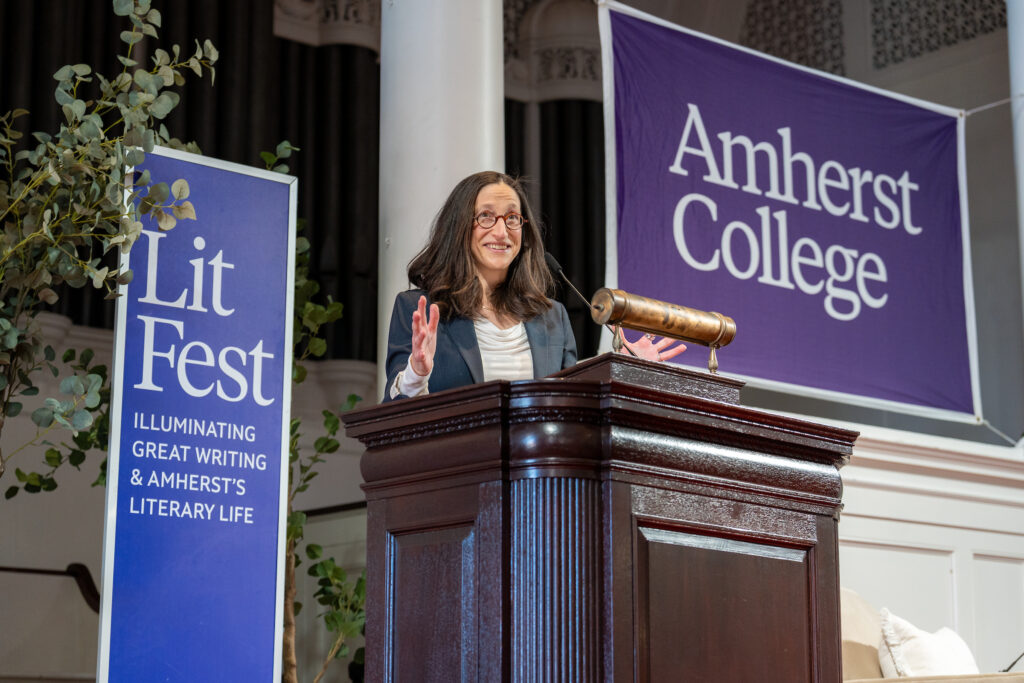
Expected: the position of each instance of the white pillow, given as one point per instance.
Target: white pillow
(906, 650)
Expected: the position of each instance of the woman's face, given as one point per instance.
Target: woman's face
(496, 247)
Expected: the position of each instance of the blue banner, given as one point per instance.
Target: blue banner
(826, 217)
(194, 538)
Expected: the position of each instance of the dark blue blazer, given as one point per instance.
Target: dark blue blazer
(457, 360)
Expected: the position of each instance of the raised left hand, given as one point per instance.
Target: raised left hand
(650, 347)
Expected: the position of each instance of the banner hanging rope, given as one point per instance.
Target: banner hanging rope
(991, 105)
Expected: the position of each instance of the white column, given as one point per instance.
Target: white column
(442, 117)
(1015, 41)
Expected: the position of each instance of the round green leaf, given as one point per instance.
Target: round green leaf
(159, 193)
(72, 385)
(10, 339)
(62, 98)
(43, 417)
(180, 189)
(82, 419)
(317, 346)
(131, 37)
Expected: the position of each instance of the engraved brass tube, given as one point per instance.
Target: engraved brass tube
(616, 307)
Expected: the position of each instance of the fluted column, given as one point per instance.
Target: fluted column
(555, 549)
(441, 119)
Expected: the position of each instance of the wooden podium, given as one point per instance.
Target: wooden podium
(626, 521)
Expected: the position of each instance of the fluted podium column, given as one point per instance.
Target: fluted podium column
(627, 521)
(555, 591)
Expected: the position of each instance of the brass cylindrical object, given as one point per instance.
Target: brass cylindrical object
(616, 307)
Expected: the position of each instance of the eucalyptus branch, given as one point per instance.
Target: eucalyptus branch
(85, 413)
(63, 204)
(37, 180)
(76, 402)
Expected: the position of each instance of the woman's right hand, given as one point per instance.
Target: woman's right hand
(424, 338)
(647, 348)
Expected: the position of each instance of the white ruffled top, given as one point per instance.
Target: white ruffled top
(505, 353)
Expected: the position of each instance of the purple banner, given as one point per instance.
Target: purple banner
(823, 216)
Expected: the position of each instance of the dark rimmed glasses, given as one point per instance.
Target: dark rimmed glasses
(488, 219)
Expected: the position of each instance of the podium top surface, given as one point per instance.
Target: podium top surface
(673, 379)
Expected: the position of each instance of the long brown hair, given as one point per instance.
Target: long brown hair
(445, 267)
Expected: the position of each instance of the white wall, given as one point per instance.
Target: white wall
(50, 531)
(933, 529)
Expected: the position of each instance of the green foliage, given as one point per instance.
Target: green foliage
(310, 315)
(283, 151)
(84, 413)
(343, 600)
(70, 198)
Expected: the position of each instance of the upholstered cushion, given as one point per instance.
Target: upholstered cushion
(906, 650)
(966, 678)
(860, 627)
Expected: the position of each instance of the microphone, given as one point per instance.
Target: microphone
(556, 268)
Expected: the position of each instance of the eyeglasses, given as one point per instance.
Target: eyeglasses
(488, 219)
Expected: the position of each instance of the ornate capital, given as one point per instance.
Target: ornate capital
(329, 22)
(558, 55)
(566, 64)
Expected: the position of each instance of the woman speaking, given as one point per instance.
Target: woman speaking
(481, 310)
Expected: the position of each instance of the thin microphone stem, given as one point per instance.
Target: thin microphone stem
(578, 292)
(556, 267)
